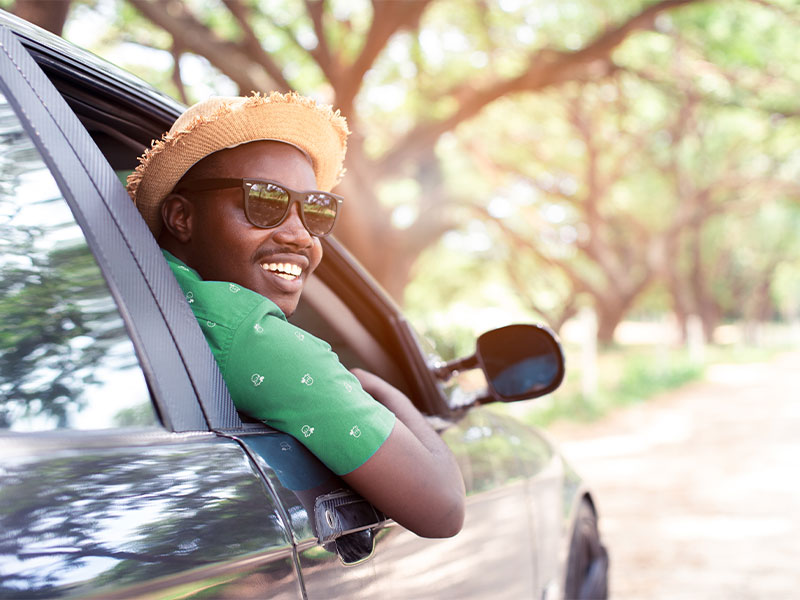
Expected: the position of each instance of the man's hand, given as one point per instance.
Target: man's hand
(413, 477)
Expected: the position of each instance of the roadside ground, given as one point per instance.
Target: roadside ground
(699, 489)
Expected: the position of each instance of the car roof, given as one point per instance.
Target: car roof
(122, 113)
(54, 54)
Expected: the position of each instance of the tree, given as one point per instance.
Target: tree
(48, 14)
(347, 52)
(418, 78)
(725, 158)
(60, 332)
(612, 186)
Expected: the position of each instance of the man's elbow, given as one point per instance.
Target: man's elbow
(453, 523)
(446, 524)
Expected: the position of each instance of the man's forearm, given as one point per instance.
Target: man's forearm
(405, 411)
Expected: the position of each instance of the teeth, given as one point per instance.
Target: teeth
(285, 270)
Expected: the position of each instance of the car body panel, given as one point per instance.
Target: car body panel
(121, 515)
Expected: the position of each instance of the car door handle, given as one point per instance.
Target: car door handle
(345, 522)
(343, 511)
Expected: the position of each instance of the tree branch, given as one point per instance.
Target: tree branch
(669, 88)
(580, 283)
(253, 46)
(554, 317)
(327, 62)
(546, 68)
(190, 34)
(388, 18)
(176, 72)
(47, 14)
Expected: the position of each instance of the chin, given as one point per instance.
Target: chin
(287, 308)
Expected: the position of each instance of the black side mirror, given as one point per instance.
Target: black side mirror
(519, 361)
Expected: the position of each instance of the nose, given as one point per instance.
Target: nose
(292, 231)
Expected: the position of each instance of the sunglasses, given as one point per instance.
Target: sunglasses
(267, 203)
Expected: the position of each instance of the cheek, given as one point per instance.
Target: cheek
(316, 254)
(222, 237)
(222, 224)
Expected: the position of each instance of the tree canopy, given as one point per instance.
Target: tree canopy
(575, 152)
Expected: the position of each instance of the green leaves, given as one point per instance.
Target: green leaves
(638, 122)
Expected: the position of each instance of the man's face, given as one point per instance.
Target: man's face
(225, 246)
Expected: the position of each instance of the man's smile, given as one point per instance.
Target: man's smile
(284, 270)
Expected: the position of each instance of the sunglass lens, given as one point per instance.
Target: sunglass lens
(266, 204)
(319, 212)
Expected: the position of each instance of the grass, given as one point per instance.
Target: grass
(628, 375)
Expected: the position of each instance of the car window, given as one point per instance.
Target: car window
(66, 360)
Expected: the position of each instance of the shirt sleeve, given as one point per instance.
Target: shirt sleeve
(294, 382)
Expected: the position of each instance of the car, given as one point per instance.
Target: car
(125, 470)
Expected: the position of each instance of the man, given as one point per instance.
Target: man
(237, 195)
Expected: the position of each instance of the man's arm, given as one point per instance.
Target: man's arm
(413, 477)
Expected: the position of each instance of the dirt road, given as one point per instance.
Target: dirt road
(699, 489)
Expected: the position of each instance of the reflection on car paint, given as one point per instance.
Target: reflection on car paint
(125, 517)
(496, 541)
(63, 346)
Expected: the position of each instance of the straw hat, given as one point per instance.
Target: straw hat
(226, 122)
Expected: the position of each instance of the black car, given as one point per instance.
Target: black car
(125, 470)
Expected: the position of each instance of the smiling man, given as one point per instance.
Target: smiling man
(237, 194)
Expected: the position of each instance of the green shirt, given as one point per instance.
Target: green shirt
(284, 376)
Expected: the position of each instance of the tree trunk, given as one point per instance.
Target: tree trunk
(705, 306)
(670, 271)
(609, 315)
(47, 14)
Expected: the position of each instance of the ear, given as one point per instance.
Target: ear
(176, 213)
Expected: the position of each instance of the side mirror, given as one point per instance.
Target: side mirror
(519, 362)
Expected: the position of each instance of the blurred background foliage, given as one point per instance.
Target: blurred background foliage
(517, 160)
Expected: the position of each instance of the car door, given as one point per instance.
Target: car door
(542, 470)
(112, 483)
